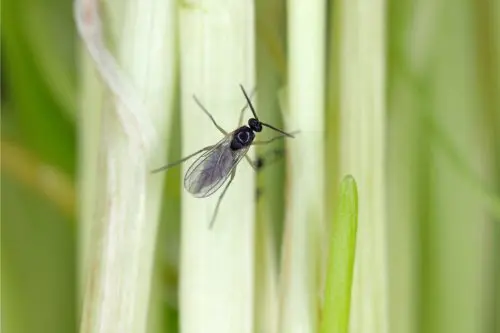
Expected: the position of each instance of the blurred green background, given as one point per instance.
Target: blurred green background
(443, 165)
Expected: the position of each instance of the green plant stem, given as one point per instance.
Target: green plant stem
(340, 265)
(363, 151)
(304, 220)
(216, 277)
(121, 198)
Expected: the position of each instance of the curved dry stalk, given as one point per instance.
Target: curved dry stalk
(133, 116)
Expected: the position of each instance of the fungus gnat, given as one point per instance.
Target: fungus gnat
(211, 170)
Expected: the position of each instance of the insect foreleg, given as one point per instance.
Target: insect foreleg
(209, 115)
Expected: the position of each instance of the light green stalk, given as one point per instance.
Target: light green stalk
(362, 123)
(300, 279)
(405, 165)
(91, 97)
(341, 254)
(456, 235)
(121, 209)
(270, 18)
(217, 52)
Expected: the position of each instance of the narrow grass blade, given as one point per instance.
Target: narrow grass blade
(363, 151)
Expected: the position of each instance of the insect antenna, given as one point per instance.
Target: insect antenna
(249, 102)
(255, 115)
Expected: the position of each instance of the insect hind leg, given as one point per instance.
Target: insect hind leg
(220, 198)
(252, 164)
(181, 160)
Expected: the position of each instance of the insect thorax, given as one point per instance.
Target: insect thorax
(242, 137)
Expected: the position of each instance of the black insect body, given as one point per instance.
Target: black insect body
(243, 137)
(218, 162)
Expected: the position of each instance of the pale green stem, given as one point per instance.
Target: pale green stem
(302, 256)
(457, 238)
(266, 300)
(340, 265)
(363, 133)
(91, 99)
(120, 224)
(217, 52)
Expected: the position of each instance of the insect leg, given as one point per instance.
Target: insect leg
(220, 198)
(255, 167)
(181, 160)
(240, 121)
(268, 141)
(209, 115)
(272, 139)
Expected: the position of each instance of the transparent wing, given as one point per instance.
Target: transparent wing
(213, 168)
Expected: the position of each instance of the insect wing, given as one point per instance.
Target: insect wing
(213, 168)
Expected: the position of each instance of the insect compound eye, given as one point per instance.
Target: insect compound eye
(255, 125)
